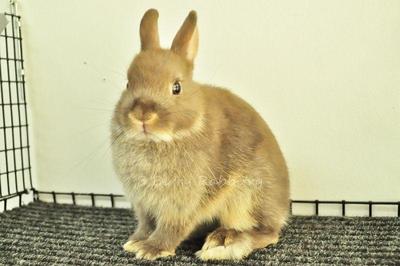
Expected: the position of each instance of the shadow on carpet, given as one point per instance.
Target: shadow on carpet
(44, 233)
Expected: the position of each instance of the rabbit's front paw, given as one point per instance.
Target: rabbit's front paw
(139, 235)
(146, 249)
(225, 244)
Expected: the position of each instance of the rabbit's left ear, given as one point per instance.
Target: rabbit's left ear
(186, 41)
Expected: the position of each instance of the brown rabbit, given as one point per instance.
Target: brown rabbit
(188, 154)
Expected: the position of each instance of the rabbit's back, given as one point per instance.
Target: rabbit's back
(245, 136)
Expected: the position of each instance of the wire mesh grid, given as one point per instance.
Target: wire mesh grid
(369, 208)
(15, 162)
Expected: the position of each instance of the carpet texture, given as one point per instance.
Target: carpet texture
(55, 234)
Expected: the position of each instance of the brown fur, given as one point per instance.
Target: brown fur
(196, 157)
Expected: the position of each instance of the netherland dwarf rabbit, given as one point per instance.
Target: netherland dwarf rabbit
(189, 153)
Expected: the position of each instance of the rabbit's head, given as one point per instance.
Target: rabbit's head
(161, 102)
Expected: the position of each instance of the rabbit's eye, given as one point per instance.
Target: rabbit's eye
(176, 88)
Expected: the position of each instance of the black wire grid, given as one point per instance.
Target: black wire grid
(15, 165)
(317, 204)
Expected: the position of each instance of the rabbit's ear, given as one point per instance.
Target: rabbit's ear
(149, 30)
(186, 41)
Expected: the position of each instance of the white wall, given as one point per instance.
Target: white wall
(324, 74)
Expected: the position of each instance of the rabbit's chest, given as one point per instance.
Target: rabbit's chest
(159, 179)
(138, 166)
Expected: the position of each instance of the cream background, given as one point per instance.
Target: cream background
(324, 74)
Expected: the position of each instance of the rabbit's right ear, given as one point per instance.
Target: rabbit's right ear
(186, 41)
(149, 30)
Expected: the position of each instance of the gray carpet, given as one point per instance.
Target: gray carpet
(43, 233)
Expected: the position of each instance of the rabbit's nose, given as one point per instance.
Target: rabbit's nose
(147, 117)
(141, 117)
(143, 111)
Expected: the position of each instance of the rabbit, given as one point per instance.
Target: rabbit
(189, 154)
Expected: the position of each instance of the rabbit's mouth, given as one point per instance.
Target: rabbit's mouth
(152, 136)
(144, 128)
(149, 132)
